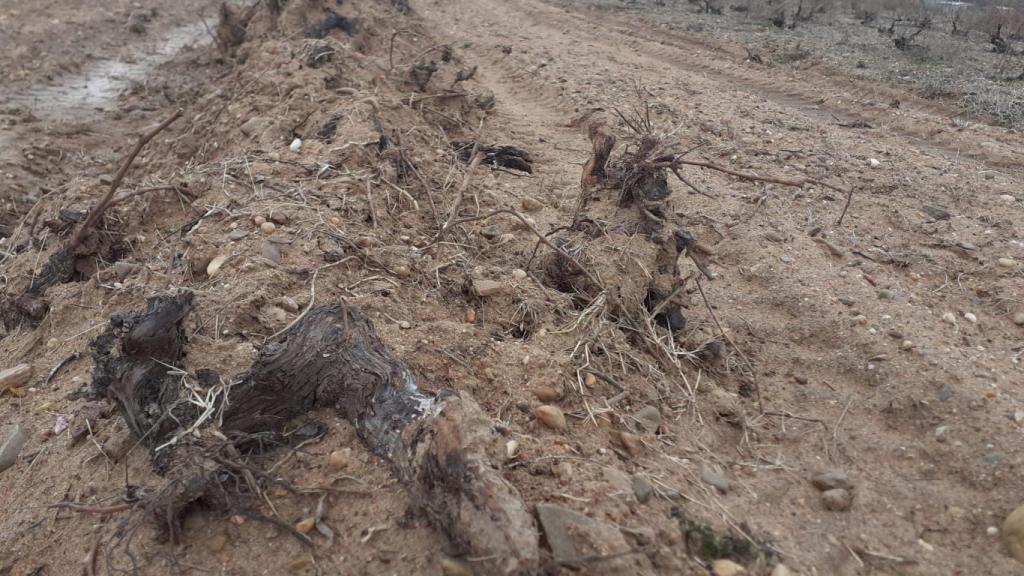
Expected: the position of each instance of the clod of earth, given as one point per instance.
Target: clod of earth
(331, 358)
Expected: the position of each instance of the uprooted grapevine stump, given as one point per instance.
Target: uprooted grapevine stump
(331, 358)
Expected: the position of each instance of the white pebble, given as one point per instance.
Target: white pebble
(874, 163)
(296, 145)
(970, 317)
(518, 274)
(1006, 262)
(992, 531)
(214, 266)
(949, 318)
(1007, 198)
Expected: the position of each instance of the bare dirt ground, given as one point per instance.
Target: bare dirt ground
(887, 348)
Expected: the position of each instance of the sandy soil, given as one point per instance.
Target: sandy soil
(892, 356)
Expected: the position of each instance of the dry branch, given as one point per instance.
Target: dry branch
(104, 203)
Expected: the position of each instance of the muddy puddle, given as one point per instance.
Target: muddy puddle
(97, 86)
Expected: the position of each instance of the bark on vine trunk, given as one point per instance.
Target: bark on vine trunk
(332, 358)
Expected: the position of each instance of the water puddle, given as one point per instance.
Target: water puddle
(97, 86)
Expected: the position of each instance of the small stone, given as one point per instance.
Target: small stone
(874, 163)
(831, 480)
(649, 418)
(967, 245)
(531, 204)
(713, 475)
(618, 479)
(563, 471)
(451, 567)
(259, 220)
(949, 318)
(217, 542)
(485, 288)
(267, 228)
(781, 570)
(936, 213)
(886, 294)
(339, 459)
(52, 343)
(296, 145)
(124, 269)
(589, 380)
(510, 449)
(994, 457)
(837, 499)
(992, 531)
(945, 392)
(405, 325)
(971, 317)
(491, 231)
(1007, 198)
(642, 489)
(725, 567)
(548, 394)
(15, 377)
(470, 315)
(288, 304)
(519, 274)
(1013, 533)
(551, 416)
(306, 525)
(238, 234)
(214, 266)
(279, 217)
(906, 345)
(786, 259)
(631, 442)
(1018, 318)
(271, 251)
(12, 439)
(940, 433)
(573, 536)
(1006, 262)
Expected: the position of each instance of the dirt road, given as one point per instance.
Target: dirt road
(884, 348)
(827, 333)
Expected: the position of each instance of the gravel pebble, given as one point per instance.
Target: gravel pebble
(551, 416)
(832, 479)
(837, 499)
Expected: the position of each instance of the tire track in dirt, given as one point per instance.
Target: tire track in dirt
(824, 99)
(929, 128)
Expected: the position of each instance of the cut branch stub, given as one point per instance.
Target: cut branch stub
(331, 358)
(603, 141)
(149, 345)
(437, 446)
